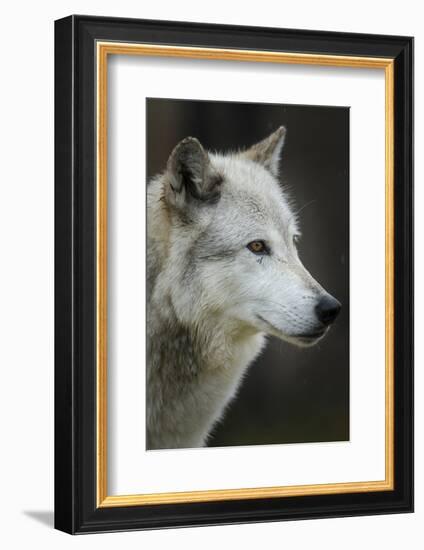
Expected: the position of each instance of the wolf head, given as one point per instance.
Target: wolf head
(232, 244)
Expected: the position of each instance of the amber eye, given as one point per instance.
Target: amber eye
(258, 247)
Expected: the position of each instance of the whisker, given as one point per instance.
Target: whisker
(302, 208)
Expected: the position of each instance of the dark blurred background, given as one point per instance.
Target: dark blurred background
(289, 395)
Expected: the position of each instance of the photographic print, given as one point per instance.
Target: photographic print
(233, 274)
(247, 274)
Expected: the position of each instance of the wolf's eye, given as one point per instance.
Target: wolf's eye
(258, 247)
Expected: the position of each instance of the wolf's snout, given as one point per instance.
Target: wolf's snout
(327, 309)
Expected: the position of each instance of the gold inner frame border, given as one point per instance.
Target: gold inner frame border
(103, 50)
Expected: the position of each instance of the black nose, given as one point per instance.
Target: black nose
(327, 309)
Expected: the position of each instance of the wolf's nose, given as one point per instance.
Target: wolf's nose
(327, 309)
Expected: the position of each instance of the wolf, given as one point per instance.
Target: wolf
(223, 272)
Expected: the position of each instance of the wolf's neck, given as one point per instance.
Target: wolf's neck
(192, 374)
(209, 343)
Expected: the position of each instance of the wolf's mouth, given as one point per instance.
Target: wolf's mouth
(306, 338)
(270, 325)
(310, 337)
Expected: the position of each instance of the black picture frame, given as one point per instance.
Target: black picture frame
(76, 509)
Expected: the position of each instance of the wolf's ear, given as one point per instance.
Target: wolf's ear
(267, 152)
(191, 176)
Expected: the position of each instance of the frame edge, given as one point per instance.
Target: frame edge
(64, 448)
